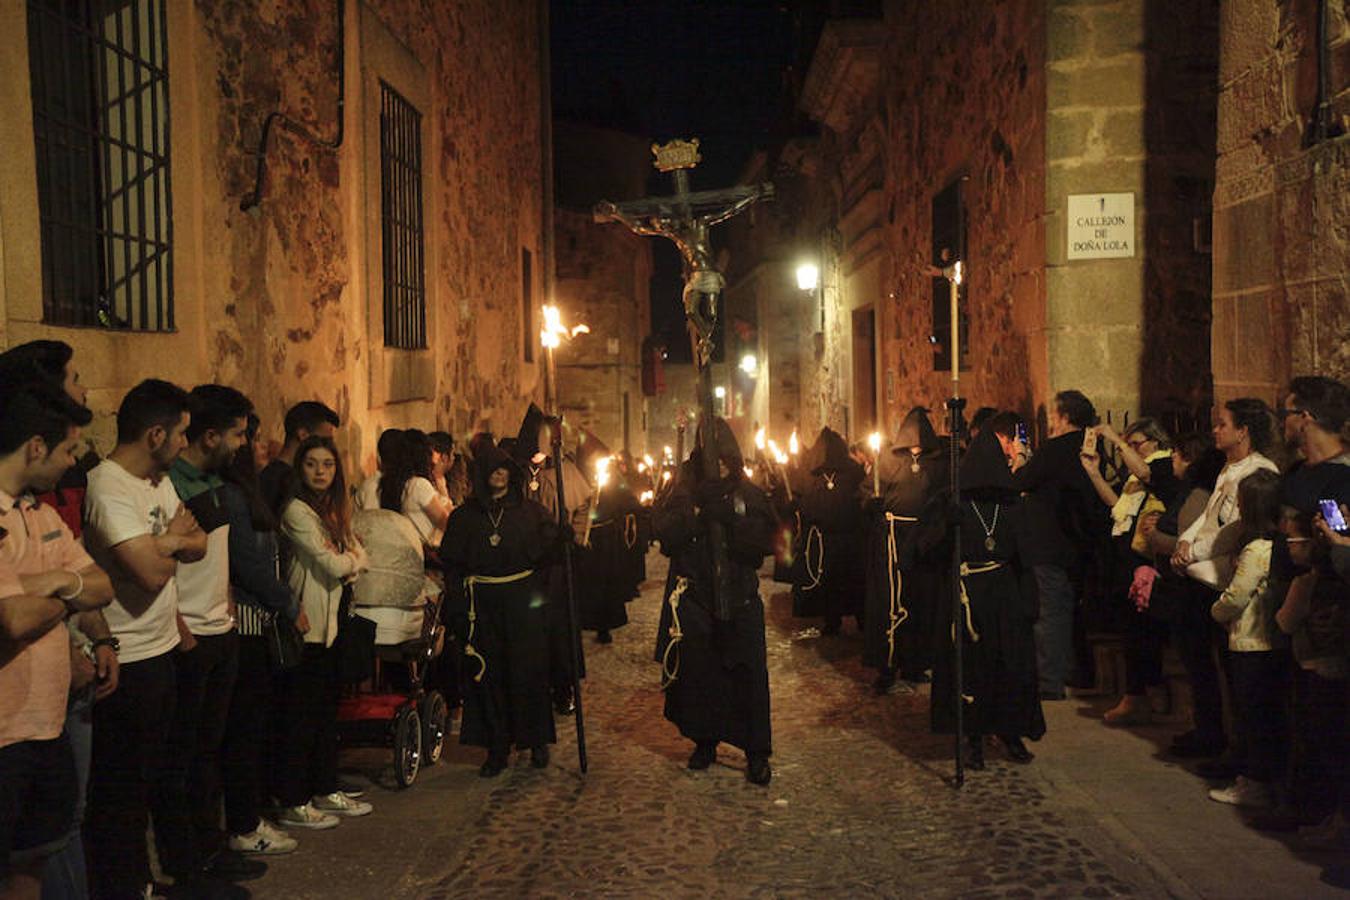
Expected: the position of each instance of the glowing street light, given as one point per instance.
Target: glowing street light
(808, 276)
(720, 392)
(750, 364)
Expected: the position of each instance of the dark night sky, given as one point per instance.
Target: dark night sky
(660, 69)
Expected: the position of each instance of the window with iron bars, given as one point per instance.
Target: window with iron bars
(100, 89)
(405, 295)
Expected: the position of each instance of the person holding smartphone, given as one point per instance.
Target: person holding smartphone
(1315, 604)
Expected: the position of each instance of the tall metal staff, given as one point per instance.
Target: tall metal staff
(955, 404)
(686, 219)
(550, 336)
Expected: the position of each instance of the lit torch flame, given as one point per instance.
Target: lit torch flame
(602, 471)
(759, 439)
(794, 446)
(553, 332)
(874, 441)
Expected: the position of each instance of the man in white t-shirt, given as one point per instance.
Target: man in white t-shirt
(205, 673)
(138, 532)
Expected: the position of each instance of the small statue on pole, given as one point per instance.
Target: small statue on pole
(686, 218)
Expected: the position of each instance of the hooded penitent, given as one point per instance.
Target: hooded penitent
(984, 469)
(488, 459)
(917, 431)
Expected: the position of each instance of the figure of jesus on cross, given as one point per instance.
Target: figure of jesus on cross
(686, 218)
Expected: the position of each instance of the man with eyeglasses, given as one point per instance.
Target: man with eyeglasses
(1316, 604)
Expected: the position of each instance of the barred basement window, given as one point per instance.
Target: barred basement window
(100, 87)
(405, 295)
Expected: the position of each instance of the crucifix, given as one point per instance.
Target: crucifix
(686, 218)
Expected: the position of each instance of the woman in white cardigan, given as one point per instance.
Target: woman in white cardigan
(323, 555)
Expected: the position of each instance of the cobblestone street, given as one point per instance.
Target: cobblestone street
(859, 805)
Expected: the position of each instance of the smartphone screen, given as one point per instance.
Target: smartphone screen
(1090, 441)
(1332, 513)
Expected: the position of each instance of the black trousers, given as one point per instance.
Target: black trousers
(306, 752)
(1198, 638)
(1144, 638)
(1322, 763)
(1260, 692)
(131, 740)
(192, 781)
(247, 733)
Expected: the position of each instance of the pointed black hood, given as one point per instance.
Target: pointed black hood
(486, 461)
(728, 450)
(831, 452)
(527, 442)
(984, 467)
(917, 431)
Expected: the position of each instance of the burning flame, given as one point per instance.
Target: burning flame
(665, 477)
(647, 497)
(778, 455)
(759, 439)
(602, 471)
(957, 272)
(874, 441)
(553, 332)
(794, 446)
(749, 472)
(647, 459)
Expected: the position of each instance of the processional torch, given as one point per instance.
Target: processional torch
(551, 336)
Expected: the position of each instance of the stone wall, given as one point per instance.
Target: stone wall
(972, 103)
(604, 278)
(1281, 239)
(1130, 104)
(284, 301)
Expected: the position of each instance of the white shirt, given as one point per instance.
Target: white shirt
(417, 494)
(118, 507)
(368, 493)
(204, 586)
(1214, 535)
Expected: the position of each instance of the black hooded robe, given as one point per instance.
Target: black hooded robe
(600, 570)
(720, 692)
(830, 559)
(999, 668)
(540, 483)
(505, 629)
(904, 565)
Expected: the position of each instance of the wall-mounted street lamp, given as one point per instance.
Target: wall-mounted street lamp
(750, 364)
(808, 276)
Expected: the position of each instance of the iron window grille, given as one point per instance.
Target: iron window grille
(405, 296)
(100, 90)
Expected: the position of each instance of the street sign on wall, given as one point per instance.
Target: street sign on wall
(1101, 226)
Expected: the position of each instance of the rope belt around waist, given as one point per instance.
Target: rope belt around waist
(630, 530)
(670, 659)
(966, 570)
(469, 584)
(898, 613)
(817, 571)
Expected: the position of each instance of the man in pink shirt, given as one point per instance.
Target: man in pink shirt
(45, 577)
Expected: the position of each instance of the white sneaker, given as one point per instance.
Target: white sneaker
(1244, 792)
(262, 841)
(306, 816)
(339, 804)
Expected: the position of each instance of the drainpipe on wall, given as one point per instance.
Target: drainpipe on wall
(545, 156)
(1323, 125)
(299, 128)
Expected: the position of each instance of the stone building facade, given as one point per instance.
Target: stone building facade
(971, 126)
(288, 300)
(604, 281)
(1282, 197)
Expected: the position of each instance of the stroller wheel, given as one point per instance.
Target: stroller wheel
(435, 723)
(407, 746)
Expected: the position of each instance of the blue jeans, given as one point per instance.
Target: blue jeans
(64, 877)
(1054, 627)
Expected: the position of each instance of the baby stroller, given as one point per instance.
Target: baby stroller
(398, 709)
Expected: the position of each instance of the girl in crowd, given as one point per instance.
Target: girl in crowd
(324, 557)
(406, 487)
(1259, 668)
